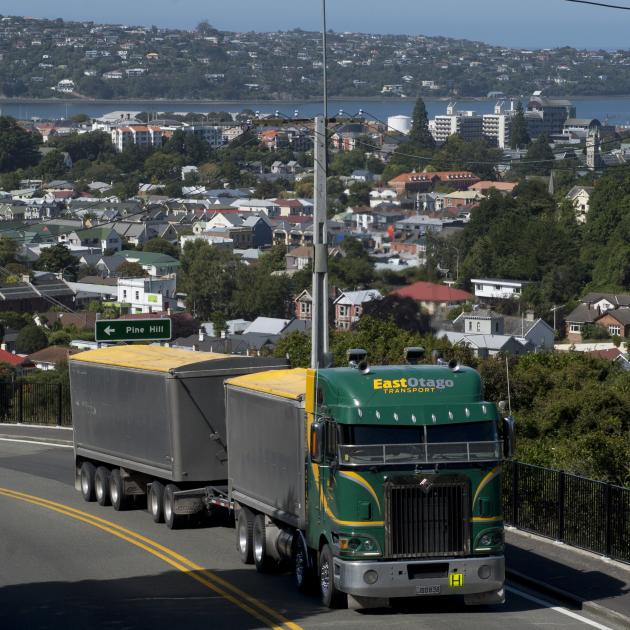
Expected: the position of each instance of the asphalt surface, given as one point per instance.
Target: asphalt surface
(61, 568)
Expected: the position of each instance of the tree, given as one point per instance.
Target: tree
(539, 158)
(131, 270)
(162, 166)
(160, 245)
(52, 166)
(403, 311)
(359, 194)
(475, 155)
(30, 339)
(420, 134)
(92, 146)
(8, 250)
(58, 258)
(519, 136)
(18, 148)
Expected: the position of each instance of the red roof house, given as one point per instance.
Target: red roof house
(433, 297)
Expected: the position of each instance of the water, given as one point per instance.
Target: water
(614, 109)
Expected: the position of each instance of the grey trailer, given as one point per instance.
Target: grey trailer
(155, 411)
(267, 446)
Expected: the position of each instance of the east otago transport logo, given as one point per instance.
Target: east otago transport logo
(411, 385)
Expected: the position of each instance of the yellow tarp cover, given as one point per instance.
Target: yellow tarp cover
(150, 358)
(284, 383)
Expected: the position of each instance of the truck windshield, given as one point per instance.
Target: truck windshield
(363, 445)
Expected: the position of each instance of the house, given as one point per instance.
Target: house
(608, 310)
(526, 328)
(434, 297)
(95, 288)
(146, 295)
(81, 320)
(299, 257)
(18, 362)
(424, 182)
(103, 238)
(614, 355)
(261, 230)
(580, 198)
(487, 345)
(616, 322)
(484, 187)
(49, 358)
(348, 306)
(267, 326)
(35, 294)
(304, 306)
(153, 263)
(498, 289)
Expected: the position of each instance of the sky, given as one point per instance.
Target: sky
(517, 23)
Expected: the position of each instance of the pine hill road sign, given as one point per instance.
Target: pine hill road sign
(133, 329)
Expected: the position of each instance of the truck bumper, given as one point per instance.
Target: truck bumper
(408, 578)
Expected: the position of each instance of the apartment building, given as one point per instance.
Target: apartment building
(141, 135)
(497, 126)
(547, 116)
(466, 124)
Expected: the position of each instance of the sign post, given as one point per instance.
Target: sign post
(133, 330)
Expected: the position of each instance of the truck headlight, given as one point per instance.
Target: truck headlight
(358, 544)
(489, 538)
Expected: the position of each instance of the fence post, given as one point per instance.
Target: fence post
(515, 493)
(59, 400)
(609, 515)
(561, 496)
(20, 402)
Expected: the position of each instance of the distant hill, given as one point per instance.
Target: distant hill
(47, 58)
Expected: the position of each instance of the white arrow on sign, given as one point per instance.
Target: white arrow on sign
(109, 330)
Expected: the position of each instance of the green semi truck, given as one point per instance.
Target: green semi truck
(378, 482)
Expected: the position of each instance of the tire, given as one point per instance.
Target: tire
(331, 596)
(155, 502)
(244, 536)
(172, 520)
(263, 562)
(101, 486)
(88, 473)
(117, 491)
(303, 574)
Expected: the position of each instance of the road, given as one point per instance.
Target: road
(69, 564)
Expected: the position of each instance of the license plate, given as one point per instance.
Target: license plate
(433, 589)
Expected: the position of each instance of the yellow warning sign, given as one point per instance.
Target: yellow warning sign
(456, 579)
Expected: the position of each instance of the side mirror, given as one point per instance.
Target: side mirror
(509, 439)
(318, 442)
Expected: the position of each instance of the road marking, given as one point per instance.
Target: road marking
(183, 564)
(35, 442)
(558, 609)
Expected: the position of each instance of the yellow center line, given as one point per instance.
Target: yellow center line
(183, 564)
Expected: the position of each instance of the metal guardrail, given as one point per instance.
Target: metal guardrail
(592, 515)
(35, 403)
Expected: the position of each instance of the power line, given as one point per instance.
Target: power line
(604, 5)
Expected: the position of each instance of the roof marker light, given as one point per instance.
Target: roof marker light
(467, 412)
(378, 415)
(484, 409)
(450, 415)
(433, 417)
(360, 411)
(396, 417)
(413, 417)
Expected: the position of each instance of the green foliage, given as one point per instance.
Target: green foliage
(30, 339)
(352, 271)
(8, 250)
(476, 155)
(52, 166)
(359, 194)
(519, 136)
(160, 245)
(420, 134)
(594, 332)
(18, 148)
(59, 338)
(539, 159)
(130, 269)
(190, 147)
(345, 162)
(159, 166)
(92, 146)
(403, 311)
(58, 258)
(17, 321)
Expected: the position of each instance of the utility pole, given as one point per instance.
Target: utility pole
(319, 324)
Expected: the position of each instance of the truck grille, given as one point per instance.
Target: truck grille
(427, 516)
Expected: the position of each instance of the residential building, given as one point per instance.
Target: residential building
(153, 263)
(497, 126)
(349, 305)
(466, 124)
(304, 306)
(491, 288)
(36, 294)
(103, 238)
(146, 295)
(434, 297)
(142, 135)
(485, 346)
(609, 310)
(413, 182)
(580, 197)
(49, 358)
(547, 116)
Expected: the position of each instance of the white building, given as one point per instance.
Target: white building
(466, 124)
(141, 135)
(498, 289)
(497, 126)
(146, 295)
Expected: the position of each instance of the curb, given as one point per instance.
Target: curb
(33, 438)
(568, 598)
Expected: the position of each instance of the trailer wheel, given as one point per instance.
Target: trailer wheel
(117, 490)
(331, 596)
(303, 574)
(101, 485)
(244, 536)
(262, 560)
(87, 481)
(156, 501)
(172, 520)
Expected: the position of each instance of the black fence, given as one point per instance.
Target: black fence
(580, 512)
(35, 403)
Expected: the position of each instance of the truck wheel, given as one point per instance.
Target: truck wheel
(87, 481)
(101, 485)
(261, 558)
(244, 536)
(156, 501)
(117, 490)
(331, 596)
(172, 520)
(303, 574)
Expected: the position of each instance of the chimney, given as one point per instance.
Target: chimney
(202, 334)
(3, 346)
(530, 315)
